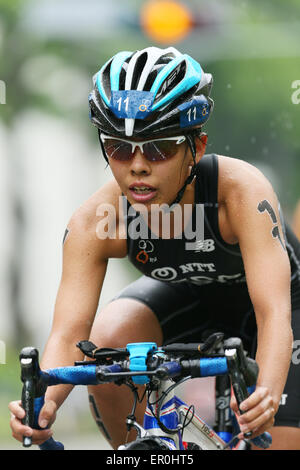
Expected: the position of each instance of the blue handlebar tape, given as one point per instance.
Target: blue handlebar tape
(50, 444)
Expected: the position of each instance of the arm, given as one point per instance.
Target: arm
(84, 266)
(252, 209)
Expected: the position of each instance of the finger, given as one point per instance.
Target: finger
(258, 431)
(253, 400)
(263, 419)
(47, 414)
(247, 417)
(266, 427)
(16, 409)
(234, 404)
(39, 437)
(19, 430)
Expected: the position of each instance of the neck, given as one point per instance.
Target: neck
(168, 224)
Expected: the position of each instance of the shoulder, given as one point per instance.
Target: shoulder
(239, 179)
(85, 216)
(83, 226)
(244, 193)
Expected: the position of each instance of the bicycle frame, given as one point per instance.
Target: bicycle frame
(173, 413)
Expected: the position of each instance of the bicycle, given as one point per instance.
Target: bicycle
(160, 370)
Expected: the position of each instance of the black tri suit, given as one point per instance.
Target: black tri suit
(196, 287)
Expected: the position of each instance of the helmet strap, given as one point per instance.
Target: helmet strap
(192, 145)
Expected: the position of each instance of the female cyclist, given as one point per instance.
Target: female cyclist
(232, 266)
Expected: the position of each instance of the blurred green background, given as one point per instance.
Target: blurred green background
(50, 161)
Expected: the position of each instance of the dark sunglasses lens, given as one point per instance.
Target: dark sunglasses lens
(160, 150)
(117, 149)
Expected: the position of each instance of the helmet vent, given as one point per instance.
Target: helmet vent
(122, 79)
(174, 77)
(138, 69)
(105, 79)
(165, 59)
(151, 77)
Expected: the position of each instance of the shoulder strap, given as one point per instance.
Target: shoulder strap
(207, 180)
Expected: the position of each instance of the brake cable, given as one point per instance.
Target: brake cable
(160, 401)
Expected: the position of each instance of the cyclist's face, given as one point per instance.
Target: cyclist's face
(146, 182)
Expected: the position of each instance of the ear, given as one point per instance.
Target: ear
(200, 142)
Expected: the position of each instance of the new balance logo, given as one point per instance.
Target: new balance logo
(204, 245)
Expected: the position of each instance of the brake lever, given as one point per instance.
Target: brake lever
(32, 388)
(237, 380)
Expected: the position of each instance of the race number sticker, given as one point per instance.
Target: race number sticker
(194, 112)
(131, 104)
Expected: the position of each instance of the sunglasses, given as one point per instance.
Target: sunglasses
(156, 150)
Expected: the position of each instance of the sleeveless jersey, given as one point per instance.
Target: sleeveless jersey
(208, 259)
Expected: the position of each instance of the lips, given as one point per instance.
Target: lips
(139, 185)
(141, 191)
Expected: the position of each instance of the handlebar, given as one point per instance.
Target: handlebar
(144, 364)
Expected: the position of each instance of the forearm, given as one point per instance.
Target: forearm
(274, 350)
(60, 351)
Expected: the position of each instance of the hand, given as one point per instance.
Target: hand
(46, 418)
(259, 411)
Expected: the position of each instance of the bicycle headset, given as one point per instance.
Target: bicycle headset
(152, 92)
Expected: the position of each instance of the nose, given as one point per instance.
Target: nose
(139, 164)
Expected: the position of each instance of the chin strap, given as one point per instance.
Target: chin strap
(191, 142)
